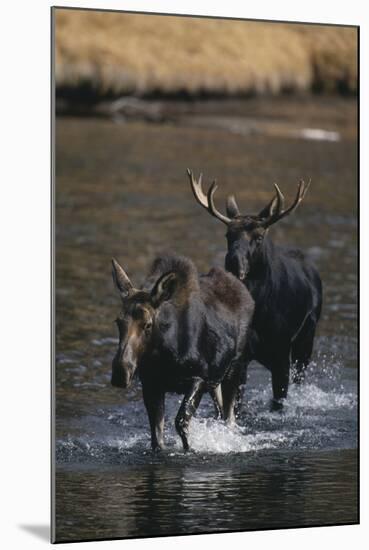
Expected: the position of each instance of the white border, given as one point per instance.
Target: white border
(25, 240)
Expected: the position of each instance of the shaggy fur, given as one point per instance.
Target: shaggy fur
(183, 333)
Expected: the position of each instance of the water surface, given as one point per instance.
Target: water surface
(122, 190)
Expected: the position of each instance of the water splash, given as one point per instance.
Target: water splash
(313, 417)
(214, 437)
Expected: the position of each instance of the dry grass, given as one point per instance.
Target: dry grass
(125, 53)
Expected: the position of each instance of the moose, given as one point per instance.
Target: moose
(182, 333)
(284, 284)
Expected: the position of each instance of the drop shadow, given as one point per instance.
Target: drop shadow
(40, 531)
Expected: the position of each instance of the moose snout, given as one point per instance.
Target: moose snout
(241, 272)
(122, 380)
(242, 275)
(237, 265)
(121, 373)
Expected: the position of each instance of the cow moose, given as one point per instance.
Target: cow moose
(182, 333)
(284, 284)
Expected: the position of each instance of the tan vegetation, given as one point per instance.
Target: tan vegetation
(127, 53)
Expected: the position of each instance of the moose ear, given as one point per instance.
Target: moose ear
(164, 288)
(231, 207)
(120, 279)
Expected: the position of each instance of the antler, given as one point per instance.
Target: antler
(274, 206)
(206, 201)
(279, 201)
(278, 210)
(213, 211)
(196, 187)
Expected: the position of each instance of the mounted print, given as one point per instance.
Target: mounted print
(205, 204)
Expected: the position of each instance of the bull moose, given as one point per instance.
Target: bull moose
(284, 284)
(183, 333)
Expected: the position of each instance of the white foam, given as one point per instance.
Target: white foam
(215, 437)
(312, 417)
(310, 396)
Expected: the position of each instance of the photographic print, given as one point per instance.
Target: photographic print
(205, 245)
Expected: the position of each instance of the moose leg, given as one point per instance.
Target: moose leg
(302, 348)
(154, 403)
(232, 394)
(280, 381)
(216, 395)
(188, 408)
(241, 386)
(239, 397)
(229, 391)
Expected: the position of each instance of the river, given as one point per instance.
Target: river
(122, 190)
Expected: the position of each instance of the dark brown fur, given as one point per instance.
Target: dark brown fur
(189, 336)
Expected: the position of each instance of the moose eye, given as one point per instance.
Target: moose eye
(137, 313)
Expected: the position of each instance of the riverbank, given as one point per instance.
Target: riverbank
(306, 116)
(106, 55)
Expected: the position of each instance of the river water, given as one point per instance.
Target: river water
(122, 190)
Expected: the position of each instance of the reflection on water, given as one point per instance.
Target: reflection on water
(191, 496)
(122, 190)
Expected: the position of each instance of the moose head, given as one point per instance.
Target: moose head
(136, 321)
(245, 233)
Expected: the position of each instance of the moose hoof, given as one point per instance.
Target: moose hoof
(276, 405)
(189, 451)
(157, 449)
